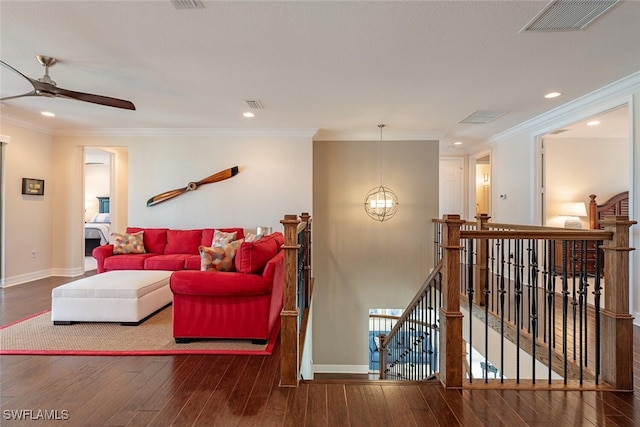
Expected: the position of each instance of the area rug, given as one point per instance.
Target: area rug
(37, 335)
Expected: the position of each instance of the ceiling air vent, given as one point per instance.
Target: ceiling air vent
(187, 4)
(255, 104)
(568, 15)
(482, 116)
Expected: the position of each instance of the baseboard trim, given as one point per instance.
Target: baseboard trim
(341, 369)
(24, 278)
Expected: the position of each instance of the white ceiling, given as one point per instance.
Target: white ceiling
(339, 67)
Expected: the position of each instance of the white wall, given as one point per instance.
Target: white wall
(359, 263)
(28, 218)
(275, 177)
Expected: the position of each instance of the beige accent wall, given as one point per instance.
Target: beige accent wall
(360, 263)
(28, 219)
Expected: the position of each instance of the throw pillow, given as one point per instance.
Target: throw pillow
(219, 258)
(253, 237)
(221, 238)
(128, 243)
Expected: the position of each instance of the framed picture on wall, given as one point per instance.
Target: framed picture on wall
(33, 187)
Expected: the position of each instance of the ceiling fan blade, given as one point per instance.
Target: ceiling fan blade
(32, 93)
(95, 99)
(32, 81)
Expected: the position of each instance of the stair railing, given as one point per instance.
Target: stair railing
(410, 350)
(509, 271)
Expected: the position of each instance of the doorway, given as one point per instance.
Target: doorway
(591, 156)
(97, 201)
(483, 185)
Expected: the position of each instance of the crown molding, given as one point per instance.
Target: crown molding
(26, 124)
(160, 132)
(374, 135)
(598, 101)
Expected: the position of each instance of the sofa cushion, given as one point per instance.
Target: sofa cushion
(170, 262)
(216, 283)
(192, 262)
(183, 242)
(126, 262)
(253, 256)
(155, 239)
(219, 257)
(128, 243)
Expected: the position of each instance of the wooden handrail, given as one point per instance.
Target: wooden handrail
(415, 301)
(537, 234)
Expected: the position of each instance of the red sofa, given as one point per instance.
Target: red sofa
(242, 304)
(165, 249)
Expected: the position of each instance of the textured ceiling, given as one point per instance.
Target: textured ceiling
(339, 67)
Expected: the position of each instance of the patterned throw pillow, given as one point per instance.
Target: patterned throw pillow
(250, 237)
(219, 258)
(128, 243)
(221, 238)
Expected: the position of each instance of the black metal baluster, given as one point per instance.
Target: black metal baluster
(502, 302)
(470, 293)
(534, 306)
(596, 306)
(565, 302)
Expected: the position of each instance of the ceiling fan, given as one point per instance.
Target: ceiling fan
(44, 86)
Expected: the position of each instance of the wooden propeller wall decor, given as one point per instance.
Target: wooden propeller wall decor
(216, 177)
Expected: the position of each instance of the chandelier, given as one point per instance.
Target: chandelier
(381, 202)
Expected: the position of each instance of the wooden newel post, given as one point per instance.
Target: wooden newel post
(617, 324)
(289, 351)
(450, 315)
(481, 263)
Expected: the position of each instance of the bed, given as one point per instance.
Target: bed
(96, 231)
(616, 205)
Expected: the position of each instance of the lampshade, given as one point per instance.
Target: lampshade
(573, 209)
(381, 203)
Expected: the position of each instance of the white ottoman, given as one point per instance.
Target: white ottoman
(126, 296)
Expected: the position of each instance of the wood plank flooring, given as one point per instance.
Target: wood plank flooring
(203, 390)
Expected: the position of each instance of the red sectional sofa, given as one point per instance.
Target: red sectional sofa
(165, 249)
(241, 304)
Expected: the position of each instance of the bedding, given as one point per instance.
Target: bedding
(96, 232)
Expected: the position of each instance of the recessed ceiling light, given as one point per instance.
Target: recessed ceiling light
(248, 114)
(48, 114)
(457, 143)
(593, 123)
(552, 95)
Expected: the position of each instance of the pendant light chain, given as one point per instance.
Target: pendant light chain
(380, 151)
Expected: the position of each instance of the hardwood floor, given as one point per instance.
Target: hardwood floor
(243, 391)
